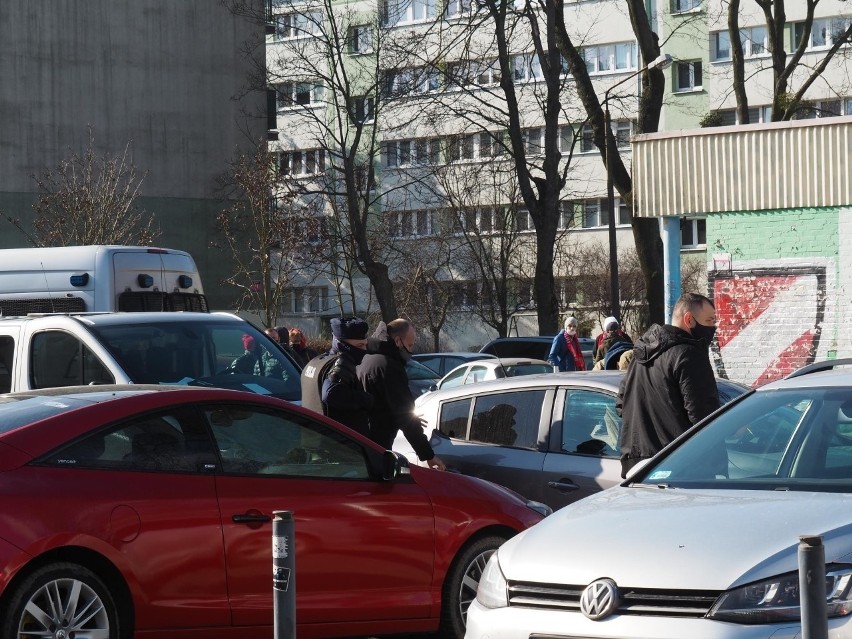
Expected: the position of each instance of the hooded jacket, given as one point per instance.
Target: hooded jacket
(669, 386)
(383, 376)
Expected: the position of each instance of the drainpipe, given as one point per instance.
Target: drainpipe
(670, 234)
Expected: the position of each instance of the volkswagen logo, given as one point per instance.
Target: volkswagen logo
(599, 599)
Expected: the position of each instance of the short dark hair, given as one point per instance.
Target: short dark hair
(692, 302)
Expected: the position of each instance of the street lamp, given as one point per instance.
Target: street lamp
(661, 62)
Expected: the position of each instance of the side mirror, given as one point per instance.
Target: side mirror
(394, 465)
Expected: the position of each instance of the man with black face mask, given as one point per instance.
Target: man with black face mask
(670, 384)
(383, 375)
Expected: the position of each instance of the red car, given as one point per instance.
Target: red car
(140, 511)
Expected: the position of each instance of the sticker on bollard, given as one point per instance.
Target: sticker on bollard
(283, 574)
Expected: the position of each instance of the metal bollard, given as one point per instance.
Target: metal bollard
(812, 595)
(284, 574)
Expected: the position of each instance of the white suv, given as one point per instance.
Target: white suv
(700, 542)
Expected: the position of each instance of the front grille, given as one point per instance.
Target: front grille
(634, 601)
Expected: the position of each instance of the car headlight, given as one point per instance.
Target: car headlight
(492, 589)
(777, 600)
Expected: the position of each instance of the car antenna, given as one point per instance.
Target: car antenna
(47, 286)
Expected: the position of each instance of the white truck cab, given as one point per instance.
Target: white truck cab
(193, 349)
(107, 278)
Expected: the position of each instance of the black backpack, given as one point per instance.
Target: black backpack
(313, 376)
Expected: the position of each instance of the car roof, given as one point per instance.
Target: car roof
(604, 380)
(154, 317)
(821, 375)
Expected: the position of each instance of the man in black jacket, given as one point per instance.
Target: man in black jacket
(383, 376)
(670, 384)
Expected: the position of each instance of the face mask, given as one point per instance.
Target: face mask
(572, 330)
(404, 353)
(699, 331)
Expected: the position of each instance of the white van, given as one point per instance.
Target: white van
(71, 279)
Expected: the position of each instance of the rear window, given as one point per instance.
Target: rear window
(532, 349)
(16, 412)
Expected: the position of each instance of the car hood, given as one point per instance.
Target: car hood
(685, 539)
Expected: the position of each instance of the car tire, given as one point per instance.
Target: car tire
(72, 598)
(460, 585)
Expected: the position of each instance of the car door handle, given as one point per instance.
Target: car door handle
(564, 485)
(251, 518)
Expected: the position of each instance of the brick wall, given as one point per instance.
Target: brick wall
(783, 291)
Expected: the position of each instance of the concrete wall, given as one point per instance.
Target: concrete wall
(166, 76)
(782, 285)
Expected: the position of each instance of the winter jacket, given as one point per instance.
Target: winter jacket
(609, 339)
(669, 386)
(383, 375)
(343, 397)
(560, 354)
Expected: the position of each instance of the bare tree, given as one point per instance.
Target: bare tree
(267, 232)
(787, 67)
(90, 199)
(331, 96)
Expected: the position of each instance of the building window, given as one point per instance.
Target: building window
(682, 6)
(533, 141)
(523, 221)
(455, 8)
(293, 94)
(404, 224)
(404, 11)
(360, 39)
(609, 58)
(824, 32)
(296, 25)
(693, 232)
(363, 108)
(472, 73)
(411, 152)
(822, 109)
(526, 67)
(567, 212)
(401, 82)
(729, 117)
(596, 213)
(312, 299)
(304, 162)
(688, 76)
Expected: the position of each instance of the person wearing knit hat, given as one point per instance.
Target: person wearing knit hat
(245, 363)
(565, 351)
(383, 375)
(343, 398)
(612, 335)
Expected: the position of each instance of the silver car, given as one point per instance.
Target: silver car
(552, 438)
(700, 542)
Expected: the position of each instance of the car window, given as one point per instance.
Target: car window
(164, 442)
(590, 424)
(432, 362)
(60, 359)
(418, 370)
(453, 418)
(260, 442)
(454, 378)
(507, 419)
(791, 439)
(477, 374)
(527, 369)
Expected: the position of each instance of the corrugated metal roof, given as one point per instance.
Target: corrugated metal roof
(780, 165)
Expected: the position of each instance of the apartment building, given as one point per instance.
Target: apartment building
(422, 81)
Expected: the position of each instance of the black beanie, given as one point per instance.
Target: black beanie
(349, 328)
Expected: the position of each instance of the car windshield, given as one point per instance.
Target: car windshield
(513, 370)
(774, 440)
(416, 370)
(209, 353)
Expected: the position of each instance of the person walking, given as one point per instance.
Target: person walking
(565, 352)
(670, 384)
(383, 376)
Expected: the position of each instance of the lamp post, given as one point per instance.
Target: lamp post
(615, 307)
